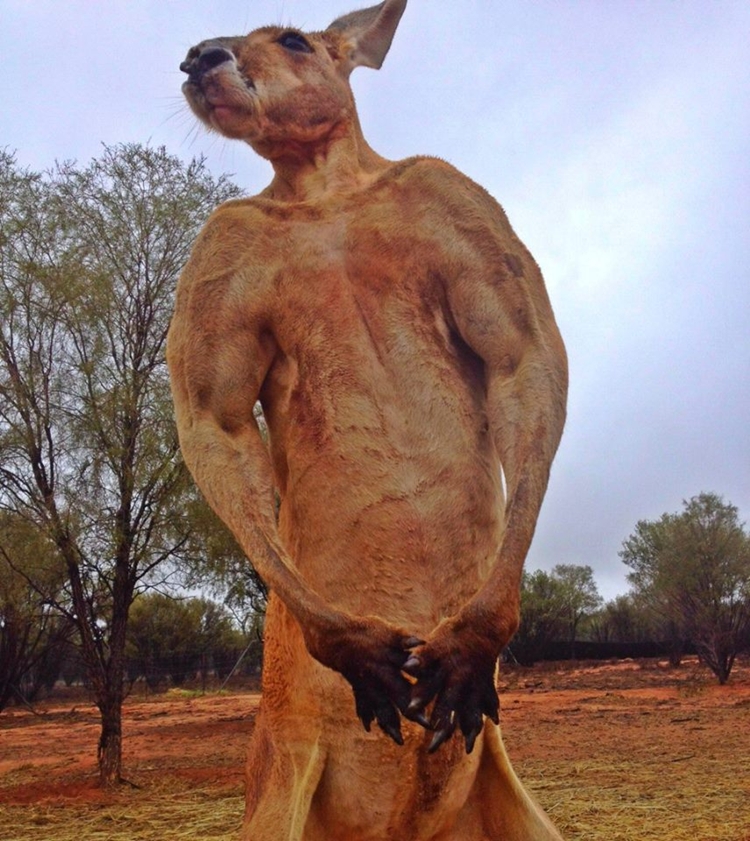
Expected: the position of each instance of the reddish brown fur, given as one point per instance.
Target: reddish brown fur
(402, 344)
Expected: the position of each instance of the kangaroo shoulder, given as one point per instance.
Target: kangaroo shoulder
(442, 183)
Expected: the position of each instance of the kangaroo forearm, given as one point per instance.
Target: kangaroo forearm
(527, 415)
(501, 588)
(234, 474)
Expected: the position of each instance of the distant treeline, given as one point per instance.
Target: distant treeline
(589, 650)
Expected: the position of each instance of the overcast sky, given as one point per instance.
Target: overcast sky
(616, 134)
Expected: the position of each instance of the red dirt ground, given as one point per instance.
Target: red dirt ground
(556, 719)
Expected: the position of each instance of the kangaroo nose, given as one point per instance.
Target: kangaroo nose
(205, 60)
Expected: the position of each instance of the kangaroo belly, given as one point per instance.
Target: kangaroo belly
(407, 545)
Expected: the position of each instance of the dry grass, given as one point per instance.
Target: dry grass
(596, 801)
(592, 801)
(166, 813)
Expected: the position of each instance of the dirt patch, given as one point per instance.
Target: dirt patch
(626, 751)
(51, 756)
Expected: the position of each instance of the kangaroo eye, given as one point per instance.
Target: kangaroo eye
(295, 42)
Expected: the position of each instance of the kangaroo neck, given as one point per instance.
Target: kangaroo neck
(340, 163)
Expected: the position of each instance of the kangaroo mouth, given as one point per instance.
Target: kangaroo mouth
(222, 116)
(219, 99)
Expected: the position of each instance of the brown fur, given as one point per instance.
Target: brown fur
(401, 341)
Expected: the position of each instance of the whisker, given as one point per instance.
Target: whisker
(179, 112)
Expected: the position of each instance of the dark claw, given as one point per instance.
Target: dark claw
(412, 663)
(394, 733)
(471, 722)
(415, 706)
(471, 738)
(491, 706)
(414, 711)
(412, 642)
(420, 718)
(424, 691)
(366, 718)
(390, 726)
(441, 737)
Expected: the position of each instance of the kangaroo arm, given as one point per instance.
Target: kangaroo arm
(526, 415)
(234, 473)
(456, 667)
(219, 355)
(500, 308)
(515, 334)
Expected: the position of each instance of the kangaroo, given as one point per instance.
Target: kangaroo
(402, 345)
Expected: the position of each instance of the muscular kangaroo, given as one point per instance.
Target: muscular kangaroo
(401, 342)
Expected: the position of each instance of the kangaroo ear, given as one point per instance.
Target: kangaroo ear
(369, 33)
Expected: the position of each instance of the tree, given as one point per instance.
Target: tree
(221, 567)
(694, 566)
(542, 616)
(623, 620)
(580, 597)
(642, 552)
(164, 639)
(224, 643)
(88, 452)
(32, 635)
(176, 638)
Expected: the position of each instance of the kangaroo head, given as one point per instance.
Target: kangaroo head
(282, 90)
